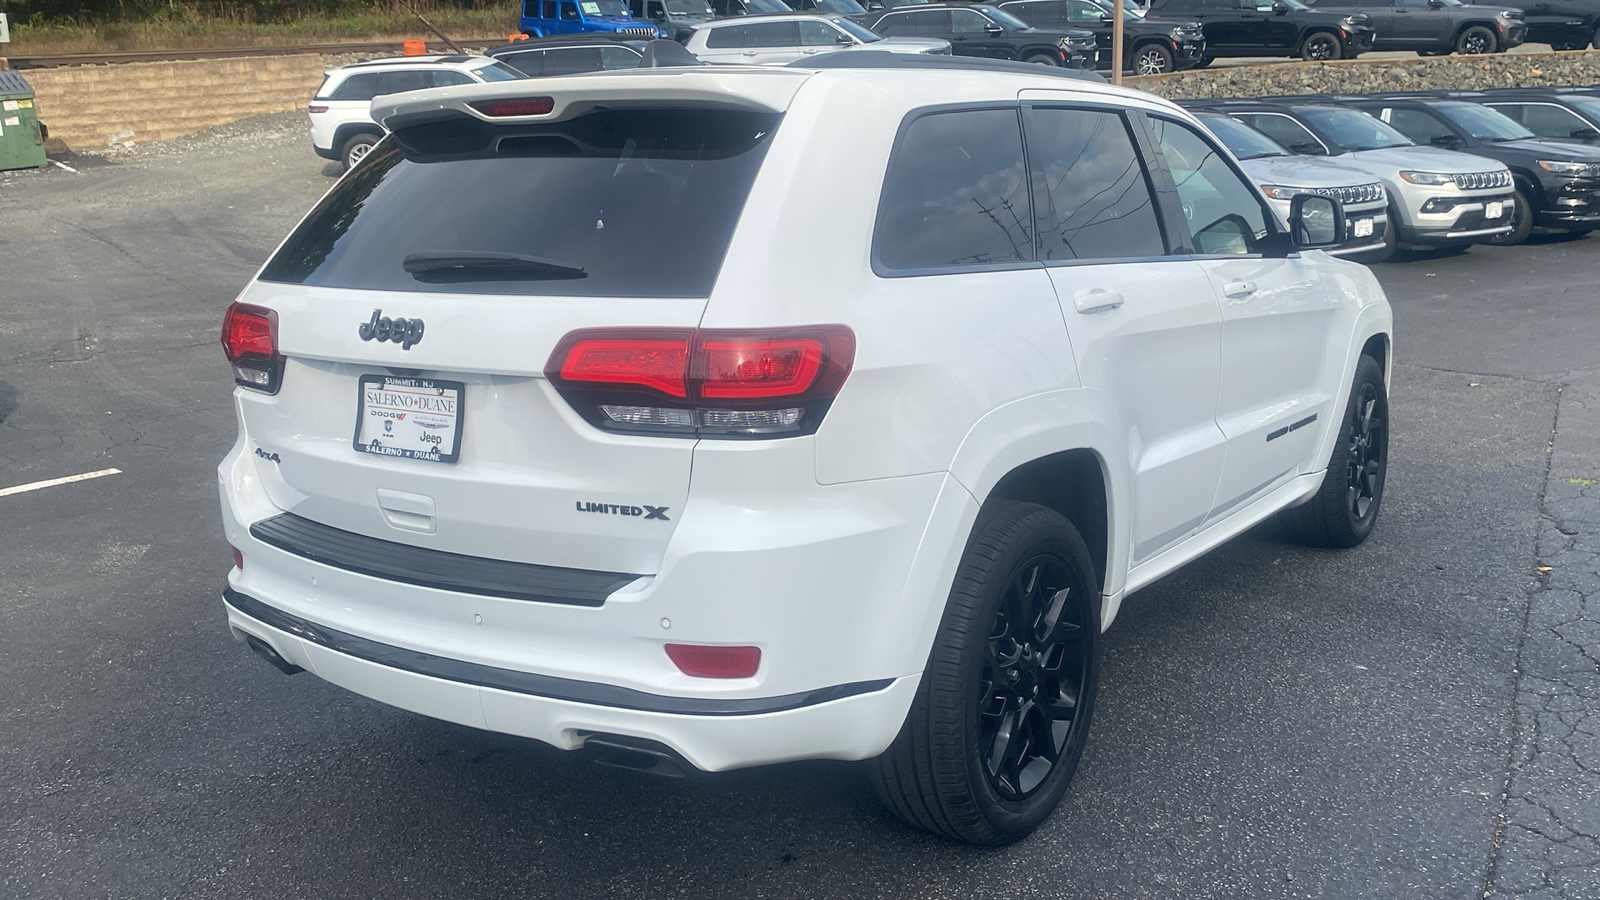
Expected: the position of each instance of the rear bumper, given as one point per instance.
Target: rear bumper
(840, 722)
(820, 582)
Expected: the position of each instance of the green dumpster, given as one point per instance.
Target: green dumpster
(21, 138)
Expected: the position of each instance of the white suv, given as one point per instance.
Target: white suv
(342, 128)
(782, 39)
(586, 452)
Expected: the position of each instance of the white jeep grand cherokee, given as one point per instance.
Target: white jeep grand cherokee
(548, 426)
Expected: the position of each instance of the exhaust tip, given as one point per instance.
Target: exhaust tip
(264, 650)
(637, 755)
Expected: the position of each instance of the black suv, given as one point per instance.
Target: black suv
(1557, 113)
(1271, 28)
(1148, 48)
(1437, 27)
(1563, 24)
(988, 32)
(1557, 183)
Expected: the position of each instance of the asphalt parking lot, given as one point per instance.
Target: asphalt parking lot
(1415, 718)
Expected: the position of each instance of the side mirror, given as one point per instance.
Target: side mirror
(1279, 7)
(1445, 140)
(1307, 148)
(1436, 4)
(1585, 134)
(992, 28)
(844, 39)
(1315, 222)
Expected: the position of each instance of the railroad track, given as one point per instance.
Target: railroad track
(93, 59)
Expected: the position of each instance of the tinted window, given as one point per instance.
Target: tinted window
(357, 87)
(1091, 199)
(1352, 130)
(1082, 13)
(818, 34)
(451, 79)
(497, 71)
(530, 9)
(625, 203)
(570, 60)
(549, 8)
(402, 81)
(955, 193)
(1417, 125)
(764, 34)
(1224, 212)
(1284, 130)
(1036, 12)
(530, 62)
(569, 11)
(1242, 140)
(1483, 123)
(965, 21)
(1547, 121)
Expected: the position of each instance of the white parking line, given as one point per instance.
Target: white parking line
(39, 485)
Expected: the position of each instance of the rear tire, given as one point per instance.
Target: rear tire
(1344, 510)
(1152, 59)
(1521, 222)
(1476, 40)
(356, 148)
(1000, 718)
(1321, 46)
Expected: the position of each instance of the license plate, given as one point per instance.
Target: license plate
(1493, 210)
(412, 418)
(1363, 228)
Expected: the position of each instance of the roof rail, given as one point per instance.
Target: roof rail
(883, 59)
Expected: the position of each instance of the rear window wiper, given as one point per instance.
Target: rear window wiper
(454, 266)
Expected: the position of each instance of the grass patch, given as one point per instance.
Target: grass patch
(181, 28)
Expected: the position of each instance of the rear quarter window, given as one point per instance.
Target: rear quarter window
(620, 203)
(955, 193)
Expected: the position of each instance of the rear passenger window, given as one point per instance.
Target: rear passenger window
(451, 79)
(1419, 126)
(529, 63)
(572, 60)
(1548, 121)
(1282, 129)
(357, 87)
(1091, 196)
(956, 193)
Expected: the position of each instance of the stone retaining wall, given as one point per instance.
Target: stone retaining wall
(1357, 76)
(122, 104)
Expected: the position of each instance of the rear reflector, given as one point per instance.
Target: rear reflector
(704, 382)
(238, 559)
(715, 662)
(250, 341)
(518, 106)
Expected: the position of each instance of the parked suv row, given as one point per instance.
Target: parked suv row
(1148, 47)
(990, 33)
(1271, 28)
(531, 462)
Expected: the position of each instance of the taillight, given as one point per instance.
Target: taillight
(516, 106)
(710, 382)
(250, 339)
(316, 108)
(705, 661)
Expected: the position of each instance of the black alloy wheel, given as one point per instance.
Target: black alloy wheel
(1152, 59)
(1477, 40)
(1320, 47)
(1002, 711)
(1033, 678)
(1344, 510)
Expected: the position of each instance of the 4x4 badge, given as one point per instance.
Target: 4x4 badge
(404, 332)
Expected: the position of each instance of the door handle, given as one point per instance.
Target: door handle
(1090, 302)
(1238, 289)
(748, 53)
(809, 52)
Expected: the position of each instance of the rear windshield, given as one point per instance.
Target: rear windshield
(617, 203)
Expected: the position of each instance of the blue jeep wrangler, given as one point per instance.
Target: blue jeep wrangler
(542, 18)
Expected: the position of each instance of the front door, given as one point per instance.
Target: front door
(969, 35)
(1144, 323)
(1276, 321)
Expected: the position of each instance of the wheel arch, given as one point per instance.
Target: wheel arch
(350, 129)
(1526, 182)
(1075, 484)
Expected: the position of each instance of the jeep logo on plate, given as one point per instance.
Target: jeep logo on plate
(404, 332)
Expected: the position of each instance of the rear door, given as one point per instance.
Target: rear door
(1276, 319)
(1144, 323)
(420, 301)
